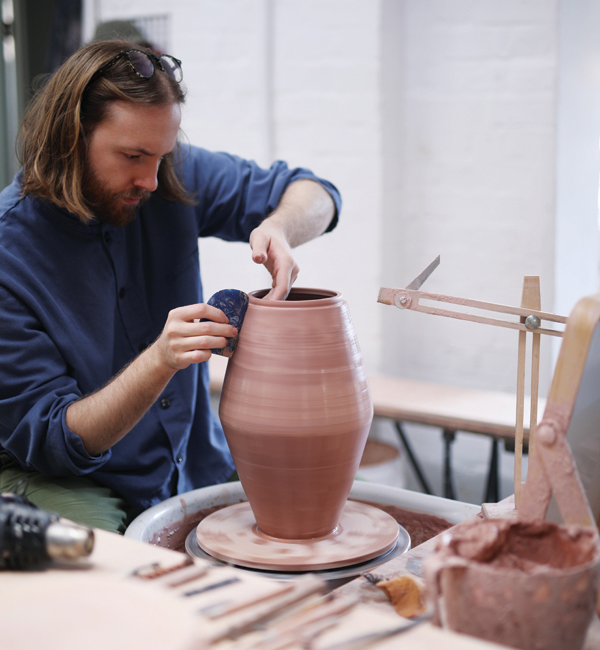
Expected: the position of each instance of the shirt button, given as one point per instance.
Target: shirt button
(107, 236)
(165, 403)
(179, 458)
(122, 292)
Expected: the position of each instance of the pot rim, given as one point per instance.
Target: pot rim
(322, 298)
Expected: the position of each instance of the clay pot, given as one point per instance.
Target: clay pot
(296, 411)
(529, 585)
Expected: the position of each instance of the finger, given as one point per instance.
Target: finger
(283, 281)
(277, 293)
(190, 313)
(281, 285)
(207, 328)
(180, 333)
(294, 274)
(200, 343)
(259, 245)
(186, 359)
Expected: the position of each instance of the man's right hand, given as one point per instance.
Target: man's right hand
(104, 417)
(185, 340)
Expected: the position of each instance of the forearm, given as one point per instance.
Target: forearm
(104, 417)
(304, 212)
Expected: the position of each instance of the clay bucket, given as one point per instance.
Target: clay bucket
(296, 411)
(525, 585)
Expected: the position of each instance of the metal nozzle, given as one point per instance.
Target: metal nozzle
(65, 539)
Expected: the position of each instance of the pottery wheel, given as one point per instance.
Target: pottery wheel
(231, 535)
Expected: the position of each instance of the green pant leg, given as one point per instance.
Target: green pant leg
(77, 498)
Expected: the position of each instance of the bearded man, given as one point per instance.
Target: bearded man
(104, 401)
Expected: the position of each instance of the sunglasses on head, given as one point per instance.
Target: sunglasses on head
(143, 64)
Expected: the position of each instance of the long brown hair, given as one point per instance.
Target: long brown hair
(66, 110)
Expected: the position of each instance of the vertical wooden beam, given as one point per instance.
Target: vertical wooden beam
(518, 486)
(531, 299)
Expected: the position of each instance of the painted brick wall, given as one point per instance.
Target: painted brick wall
(476, 177)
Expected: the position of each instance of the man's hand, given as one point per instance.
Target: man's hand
(104, 417)
(270, 248)
(304, 212)
(185, 340)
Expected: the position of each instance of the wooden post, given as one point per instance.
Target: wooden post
(531, 299)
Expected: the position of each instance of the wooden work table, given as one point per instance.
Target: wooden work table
(490, 413)
(98, 604)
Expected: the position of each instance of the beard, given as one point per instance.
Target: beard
(107, 205)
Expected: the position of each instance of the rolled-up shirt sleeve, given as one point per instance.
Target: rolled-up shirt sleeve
(235, 195)
(35, 391)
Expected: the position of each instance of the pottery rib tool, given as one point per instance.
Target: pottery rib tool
(530, 318)
(368, 639)
(303, 627)
(303, 587)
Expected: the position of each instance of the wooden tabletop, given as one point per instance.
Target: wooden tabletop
(98, 604)
(448, 407)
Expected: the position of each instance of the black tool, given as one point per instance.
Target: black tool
(31, 537)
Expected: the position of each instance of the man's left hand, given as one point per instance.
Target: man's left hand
(270, 248)
(304, 212)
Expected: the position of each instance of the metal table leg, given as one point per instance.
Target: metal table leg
(449, 436)
(492, 487)
(413, 459)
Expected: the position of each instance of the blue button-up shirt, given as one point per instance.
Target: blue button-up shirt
(78, 302)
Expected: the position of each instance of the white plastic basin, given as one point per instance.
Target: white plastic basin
(178, 508)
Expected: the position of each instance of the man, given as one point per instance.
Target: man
(104, 404)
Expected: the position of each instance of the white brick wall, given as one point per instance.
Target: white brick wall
(477, 174)
(578, 157)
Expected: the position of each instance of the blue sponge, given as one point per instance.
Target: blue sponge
(233, 303)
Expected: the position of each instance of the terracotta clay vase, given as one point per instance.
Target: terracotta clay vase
(296, 411)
